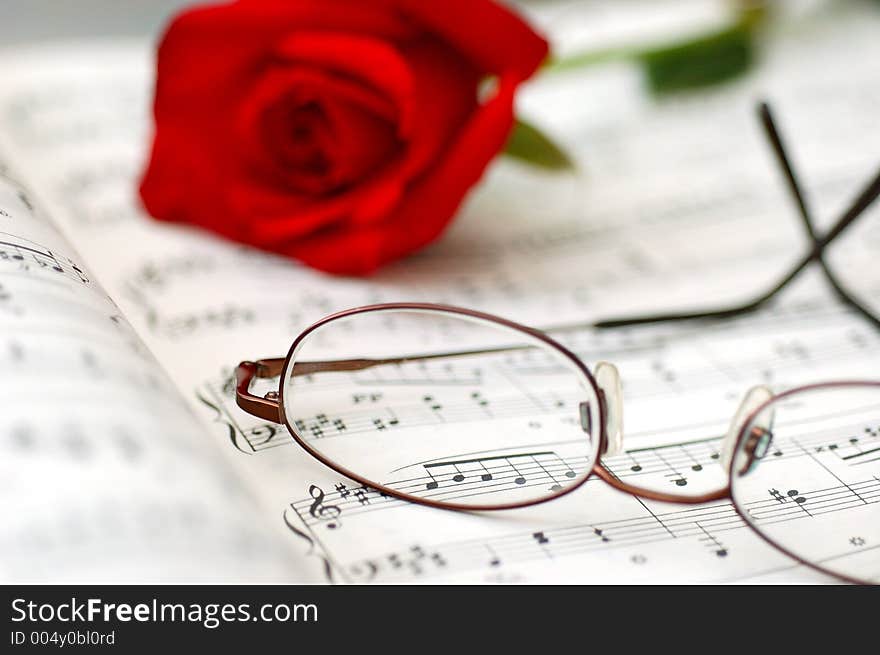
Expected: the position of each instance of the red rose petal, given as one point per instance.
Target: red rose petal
(368, 60)
(489, 34)
(207, 58)
(294, 115)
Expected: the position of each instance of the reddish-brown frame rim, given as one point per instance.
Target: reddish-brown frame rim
(275, 407)
(743, 512)
(468, 313)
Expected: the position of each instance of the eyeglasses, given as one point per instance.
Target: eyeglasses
(511, 417)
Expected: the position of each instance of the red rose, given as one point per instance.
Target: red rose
(344, 133)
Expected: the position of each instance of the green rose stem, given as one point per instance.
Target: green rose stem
(702, 61)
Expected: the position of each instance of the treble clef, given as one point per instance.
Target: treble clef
(322, 512)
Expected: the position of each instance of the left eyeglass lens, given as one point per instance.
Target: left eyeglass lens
(443, 406)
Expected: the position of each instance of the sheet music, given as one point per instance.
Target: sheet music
(677, 204)
(105, 472)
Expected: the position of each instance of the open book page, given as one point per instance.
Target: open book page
(677, 204)
(106, 473)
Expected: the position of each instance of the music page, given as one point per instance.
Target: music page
(106, 472)
(676, 204)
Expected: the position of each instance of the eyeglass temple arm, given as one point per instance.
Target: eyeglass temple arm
(267, 407)
(795, 188)
(862, 201)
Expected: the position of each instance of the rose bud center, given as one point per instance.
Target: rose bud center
(323, 140)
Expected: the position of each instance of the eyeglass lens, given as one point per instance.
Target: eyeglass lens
(500, 418)
(812, 487)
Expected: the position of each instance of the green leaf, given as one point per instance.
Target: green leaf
(528, 144)
(701, 62)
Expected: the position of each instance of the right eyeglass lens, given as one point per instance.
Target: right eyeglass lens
(806, 475)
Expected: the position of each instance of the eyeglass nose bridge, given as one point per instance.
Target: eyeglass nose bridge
(759, 438)
(611, 397)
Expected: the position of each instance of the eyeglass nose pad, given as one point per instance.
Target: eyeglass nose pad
(754, 398)
(608, 379)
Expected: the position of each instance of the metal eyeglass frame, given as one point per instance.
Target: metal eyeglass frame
(738, 440)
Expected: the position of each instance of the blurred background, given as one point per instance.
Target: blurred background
(647, 146)
(28, 20)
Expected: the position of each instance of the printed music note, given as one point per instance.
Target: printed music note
(520, 478)
(367, 570)
(366, 397)
(361, 495)
(29, 256)
(415, 561)
(516, 469)
(434, 405)
(695, 465)
(712, 542)
(635, 467)
(481, 402)
(856, 453)
(675, 476)
(791, 495)
(261, 435)
(322, 512)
